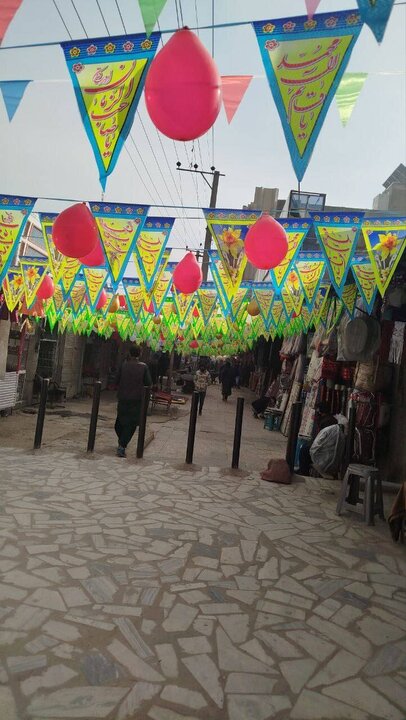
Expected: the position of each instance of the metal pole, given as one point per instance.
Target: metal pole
(41, 413)
(143, 421)
(295, 419)
(349, 446)
(207, 240)
(237, 433)
(93, 418)
(192, 428)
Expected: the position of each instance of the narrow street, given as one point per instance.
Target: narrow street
(151, 590)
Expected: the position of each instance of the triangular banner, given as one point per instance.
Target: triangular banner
(338, 235)
(183, 304)
(229, 228)
(119, 227)
(221, 278)
(70, 269)
(108, 76)
(296, 231)
(150, 11)
(77, 296)
(33, 271)
(13, 288)
(207, 300)
(294, 288)
(150, 247)
(135, 296)
(347, 94)
(304, 61)
(95, 279)
(8, 9)
(233, 89)
(375, 14)
(363, 273)
(14, 212)
(311, 7)
(55, 258)
(320, 303)
(264, 294)
(162, 286)
(349, 297)
(13, 91)
(385, 240)
(311, 273)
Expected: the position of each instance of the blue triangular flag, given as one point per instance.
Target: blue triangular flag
(13, 91)
(375, 13)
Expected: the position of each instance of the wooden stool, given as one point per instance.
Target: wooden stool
(371, 503)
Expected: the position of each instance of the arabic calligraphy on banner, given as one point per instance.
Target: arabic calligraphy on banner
(310, 271)
(162, 285)
(207, 300)
(385, 240)
(296, 231)
(264, 294)
(304, 61)
(108, 76)
(119, 227)
(363, 273)
(71, 268)
(14, 212)
(95, 279)
(349, 298)
(338, 235)
(135, 296)
(150, 246)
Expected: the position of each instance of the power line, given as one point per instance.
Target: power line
(62, 18)
(101, 13)
(79, 18)
(121, 16)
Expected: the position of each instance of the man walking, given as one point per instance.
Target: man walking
(202, 379)
(131, 379)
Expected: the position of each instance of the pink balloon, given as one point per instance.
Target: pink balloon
(266, 243)
(74, 231)
(123, 302)
(102, 300)
(187, 276)
(46, 289)
(183, 88)
(95, 258)
(194, 344)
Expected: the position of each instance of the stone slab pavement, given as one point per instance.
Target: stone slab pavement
(155, 591)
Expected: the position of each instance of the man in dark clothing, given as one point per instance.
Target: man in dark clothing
(131, 379)
(323, 420)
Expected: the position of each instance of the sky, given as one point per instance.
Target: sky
(45, 151)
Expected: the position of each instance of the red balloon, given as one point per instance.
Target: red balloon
(74, 231)
(122, 301)
(183, 88)
(194, 344)
(187, 276)
(46, 289)
(102, 300)
(196, 313)
(266, 243)
(95, 258)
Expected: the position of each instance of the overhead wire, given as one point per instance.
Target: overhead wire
(121, 15)
(79, 18)
(62, 18)
(146, 135)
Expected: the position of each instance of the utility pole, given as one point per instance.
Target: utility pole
(216, 174)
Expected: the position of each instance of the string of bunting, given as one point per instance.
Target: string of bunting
(350, 258)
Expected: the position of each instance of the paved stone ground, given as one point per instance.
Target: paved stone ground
(153, 591)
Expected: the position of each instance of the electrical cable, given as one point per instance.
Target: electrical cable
(101, 13)
(121, 16)
(79, 18)
(62, 18)
(168, 31)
